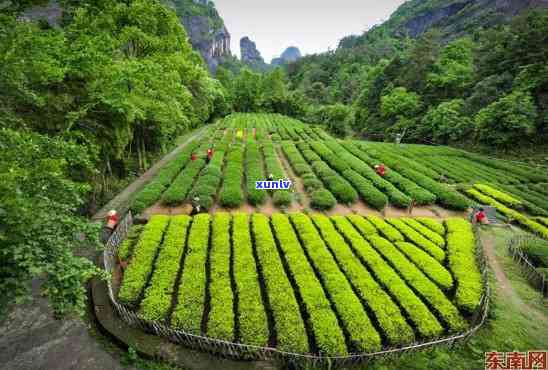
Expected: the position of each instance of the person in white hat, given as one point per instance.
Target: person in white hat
(112, 219)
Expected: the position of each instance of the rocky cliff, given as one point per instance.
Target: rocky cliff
(250, 55)
(205, 28)
(290, 55)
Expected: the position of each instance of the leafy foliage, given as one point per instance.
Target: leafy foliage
(40, 193)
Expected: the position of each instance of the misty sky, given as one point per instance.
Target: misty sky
(311, 25)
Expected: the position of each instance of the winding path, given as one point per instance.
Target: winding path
(503, 284)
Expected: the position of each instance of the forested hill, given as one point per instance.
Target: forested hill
(86, 103)
(441, 71)
(453, 18)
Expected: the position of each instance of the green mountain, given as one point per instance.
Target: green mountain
(442, 71)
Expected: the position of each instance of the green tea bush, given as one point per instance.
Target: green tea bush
(254, 172)
(385, 310)
(424, 286)
(502, 197)
(425, 322)
(327, 333)
(140, 266)
(221, 320)
(322, 199)
(178, 190)
(187, 315)
(154, 189)
(126, 248)
(369, 193)
(361, 163)
(157, 302)
(290, 329)
(424, 231)
(231, 194)
(252, 319)
(418, 239)
(351, 312)
(432, 224)
(387, 230)
(510, 213)
(340, 188)
(432, 268)
(461, 254)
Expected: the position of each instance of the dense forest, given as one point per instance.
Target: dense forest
(488, 87)
(82, 106)
(88, 103)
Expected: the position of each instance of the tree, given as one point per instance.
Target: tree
(247, 91)
(39, 230)
(453, 70)
(335, 117)
(445, 122)
(508, 120)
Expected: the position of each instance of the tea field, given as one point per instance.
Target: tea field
(304, 284)
(328, 172)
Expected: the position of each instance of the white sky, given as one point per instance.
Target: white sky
(311, 25)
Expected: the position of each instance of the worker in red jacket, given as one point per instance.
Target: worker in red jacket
(193, 157)
(481, 217)
(209, 154)
(110, 226)
(380, 169)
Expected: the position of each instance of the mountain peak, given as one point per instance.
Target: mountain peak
(290, 55)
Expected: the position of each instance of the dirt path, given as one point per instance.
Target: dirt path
(503, 284)
(123, 197)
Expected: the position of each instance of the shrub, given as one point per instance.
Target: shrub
(140, 266)
(432, 224)
(252, 318)
(354, 318)
(386, 312)
(512, 214)
(361, 162)
(416, 279)
(187, 315)
(329, 336)
(390, 232)
(461, 254)
(221, 317)
(537, 252)
(311, 183)
(209, 180)
(154, 189)
(178, 190)
(295, 158)
(157, 302)
(280, 198)
(367, 191)
(254, 172)
(340, 188)
(289, 324)
(424, 231)
(126, 248)
(432, 268)
(418, 239)
(364, 226)
(231, 193)
(322, 199)
(502, 197)
(425, 322)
